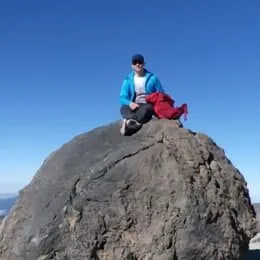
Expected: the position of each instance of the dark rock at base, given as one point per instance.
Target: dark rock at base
(164, 193)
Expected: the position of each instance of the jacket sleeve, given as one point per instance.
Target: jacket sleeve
(125, 93)
(158, 85)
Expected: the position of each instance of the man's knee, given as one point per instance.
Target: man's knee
(123, 107)
(126, 112)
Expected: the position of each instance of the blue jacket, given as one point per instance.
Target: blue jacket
(127, 94)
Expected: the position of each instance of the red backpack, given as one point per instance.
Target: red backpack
(163, 106)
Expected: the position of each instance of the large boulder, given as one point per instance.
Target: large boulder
(164, 193)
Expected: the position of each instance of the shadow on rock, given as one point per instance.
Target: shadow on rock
(132, 131)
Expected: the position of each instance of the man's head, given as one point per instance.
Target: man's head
(138, 63)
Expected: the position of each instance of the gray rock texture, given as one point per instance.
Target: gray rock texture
(164, 193)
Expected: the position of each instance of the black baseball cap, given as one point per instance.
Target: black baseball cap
(137, 58)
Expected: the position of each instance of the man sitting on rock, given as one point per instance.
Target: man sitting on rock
(136, 86)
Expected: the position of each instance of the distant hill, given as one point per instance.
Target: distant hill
(257, 208)
(6, 202)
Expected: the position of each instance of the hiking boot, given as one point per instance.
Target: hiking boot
(133, 124)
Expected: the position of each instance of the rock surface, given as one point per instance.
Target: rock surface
(164, 193)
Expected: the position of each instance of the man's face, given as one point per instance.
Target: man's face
(138, 66)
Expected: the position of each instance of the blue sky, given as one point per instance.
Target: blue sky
(62, 64)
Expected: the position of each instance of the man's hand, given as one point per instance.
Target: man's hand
(133, 106)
